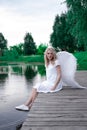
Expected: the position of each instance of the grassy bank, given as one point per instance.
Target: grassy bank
(81, 59)
(33, 58)
(27, 59)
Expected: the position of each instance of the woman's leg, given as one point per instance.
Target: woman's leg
(32, 98)
(30, 101)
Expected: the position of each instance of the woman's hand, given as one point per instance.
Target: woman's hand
(53, 88)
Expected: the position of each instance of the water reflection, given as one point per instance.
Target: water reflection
(3, 75)
(3, 78)
(30, 72)
(15, 87)
(16, 69)
(41, 70)
(4, 69)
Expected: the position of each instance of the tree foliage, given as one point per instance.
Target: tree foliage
(77, 16)
(61, 37)
(70, 29)
(18, 48)
(41, 49)
(29, 45)
(3, 43)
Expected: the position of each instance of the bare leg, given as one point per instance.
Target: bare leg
(32, 98)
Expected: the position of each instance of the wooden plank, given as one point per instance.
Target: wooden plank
(64, 110)
(56, 128)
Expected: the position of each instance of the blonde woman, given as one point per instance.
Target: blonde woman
(53, 81)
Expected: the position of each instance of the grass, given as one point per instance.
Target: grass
(81, 59)
(33, 58)
(24, 59)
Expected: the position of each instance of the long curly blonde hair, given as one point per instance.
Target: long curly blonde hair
(54, 56)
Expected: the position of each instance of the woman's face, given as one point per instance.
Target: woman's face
(49, 55)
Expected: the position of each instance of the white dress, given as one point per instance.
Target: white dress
(51, 75)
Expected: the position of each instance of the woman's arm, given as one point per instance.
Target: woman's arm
(58, 68)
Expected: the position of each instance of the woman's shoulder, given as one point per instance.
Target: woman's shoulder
(57, 62)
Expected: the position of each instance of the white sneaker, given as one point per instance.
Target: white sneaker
(22, 107)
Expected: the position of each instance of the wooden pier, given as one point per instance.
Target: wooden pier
(64, 110)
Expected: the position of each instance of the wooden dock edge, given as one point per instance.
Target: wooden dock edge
(64, 110)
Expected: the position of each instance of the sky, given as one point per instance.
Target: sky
(17, 17)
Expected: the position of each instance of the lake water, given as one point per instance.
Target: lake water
(16, 83)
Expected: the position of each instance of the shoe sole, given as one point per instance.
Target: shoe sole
(20, 109)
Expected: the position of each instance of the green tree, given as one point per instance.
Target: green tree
(61, 36)
(29, 45)
(77, 15)
(3, 43)
(19, 48)
(13, 53)
(41, 48)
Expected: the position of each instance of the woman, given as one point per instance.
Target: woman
(53, 82)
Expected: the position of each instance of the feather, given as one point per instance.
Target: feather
(68, 68)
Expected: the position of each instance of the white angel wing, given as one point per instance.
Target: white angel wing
(68, 68)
